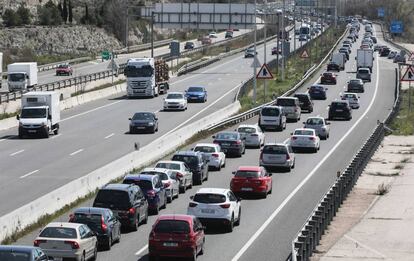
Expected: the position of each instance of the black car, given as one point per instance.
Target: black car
(355, 85)
(189, 45)
(317, 92)
(333, 67)
(143, 122)
(102, 221)
(305, 101)
(340, 109)
(230, 142)
(127, 201)
(196, 162)
(24, 253)
(385, 51)
(344, 51)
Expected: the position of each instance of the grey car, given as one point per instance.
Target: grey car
(231, 142)
(277, 155)
(364, 74)
(23, 253)
(355, 85)
(320, 126)
(143, 122)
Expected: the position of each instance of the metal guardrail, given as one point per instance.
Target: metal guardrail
(311, 232)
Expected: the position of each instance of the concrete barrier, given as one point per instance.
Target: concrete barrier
(55, 200)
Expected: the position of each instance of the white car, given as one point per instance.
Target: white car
(216, 205)
(303, 138)
(68, 240)
(212, 34)
(182, 171)
(168, 179)
(352, 98)
(217, 158)
(253, 135)
(175, 101)
(320, 125)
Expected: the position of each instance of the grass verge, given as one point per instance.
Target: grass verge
(403, 123)
(104, 86)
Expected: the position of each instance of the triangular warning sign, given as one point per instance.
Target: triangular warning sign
(411, 57)
(408, 76)
(264, 73)
(304, 54)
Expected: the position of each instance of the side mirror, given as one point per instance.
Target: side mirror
(18, 117)
(214, 136)
(130, 119)
(191, 197)
(304, 122)
(192, 149)
(291, 133)
(233, 172)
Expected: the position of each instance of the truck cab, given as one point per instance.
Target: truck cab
(21, 76)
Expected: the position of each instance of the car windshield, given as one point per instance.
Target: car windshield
(58, 232)
(143, 116)
(92, 220)
(195, 89)
(63, 66)
(227, 136)
(247, 174)
(133, 71)
(274, 149)
(175, 96)
(206, 149)
(31, 113)
(162, 175)
(285, 102)
(17, 77)
(189, 160)
(363, 71)
(165, 165)
(172, 226)
(7, 255)
(209, 198)
(246, 130)
(113, 199)
(303, 132)
(268, 111)
(354, 82)
(314, 121)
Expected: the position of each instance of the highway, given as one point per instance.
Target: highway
(268, 225)
(95, 133)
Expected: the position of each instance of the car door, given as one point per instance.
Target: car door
(261, 135)
(159, 188)
(268, 178)
(85, 241)
(199, 232)
(234, 203)
(143, 203)
(91, 241)
(188, 174)
(113, 224)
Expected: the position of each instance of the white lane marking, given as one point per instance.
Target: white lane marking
(293, 193)
(157, 111)
(55, 136)
(198, 113)
(76, 152)
(17, 152)
(110, 135)
(28, 174)
(86, 112)
(139, 252)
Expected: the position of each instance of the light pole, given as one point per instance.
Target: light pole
(254, 57)
(283, 40)
(264, 51)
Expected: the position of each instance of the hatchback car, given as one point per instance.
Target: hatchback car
(277, 156)
(249, 52)
(127, 202)
(179, 236)
(216, 206)
(319, 125)
(251, 180)
(101, 221)
(355, 85)
(340, 109)
(206, 40)
(152, 188)
(317, 92)
(333, 67)
(231, 142)
(195, 162)
(384, 51)
(189, 46)
(328, 77)
(143, 122)
(272, 117)
(305, 139)
(182, 172)
(252, 134)
(175, 101)
(22, 253)
(68, 240)
(291, 107)
(364, 74)
(216, 158)
(196, 94)
(64, 69)
(305, 101)
(168, 179)
(352, 98)
(276, 50)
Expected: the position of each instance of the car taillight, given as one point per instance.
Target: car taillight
(312, 138)
(131, 211)
(37, 242)
(103, 225)
(73, 244)
(294, 138)
(151, 193)
(238, 142)
(167, 184)
(215, 155)
(71, 218)
(179, 174)
(287, 156)
(225, 205)
(192, 205)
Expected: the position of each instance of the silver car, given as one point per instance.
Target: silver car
(277, 155)
(212, 152)
(168, 179)
(182, 171)
(253, 135)
(320, 126)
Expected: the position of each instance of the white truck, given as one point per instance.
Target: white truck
(40, 114)
(21, 76)
(339, 59)
(146, 77)
(365, 58)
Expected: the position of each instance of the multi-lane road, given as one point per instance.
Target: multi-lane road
(268, 225)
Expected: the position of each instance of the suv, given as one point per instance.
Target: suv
(340, 109)
(364, 74)
(272, 117)
(328, 77)
(196, 163)
(126, 201)
(355, 85)
(290, 106)
(305, 101)
(277, 155)
(189, 45)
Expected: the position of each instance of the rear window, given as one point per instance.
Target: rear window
(195, 89)
(316, 88)
(172, 226)
(354, 82)
(206, 149)
(14, 256)
(113, 199)
(338, 105)
(143, 184)
(268, 111)
(189, 160)
(173, 166)
(285, 102)
(303, 132)
(227, 136)
(314, 121)
(363, 71)
(303, 98)
(58, 232)
(162, 175)
(92, 220)
(209, 198)
(246, 130)
(247, 174)
(273, 149)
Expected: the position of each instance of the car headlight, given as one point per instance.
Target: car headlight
(150, 123)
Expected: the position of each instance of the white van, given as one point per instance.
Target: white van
(291, 107)
(272, 117)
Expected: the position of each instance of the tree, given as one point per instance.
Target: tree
(49, 14)
(10, 18)
(85, 19)
(65, 11)
(70, 11)
(24, 15)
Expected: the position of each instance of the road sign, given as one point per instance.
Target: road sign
(381, 12)
(408, 76)
(304, 54)
(396, 27)
(264, 73)
(411, 58)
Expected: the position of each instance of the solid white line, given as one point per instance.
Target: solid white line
(110, 135)
(28, 174)
(76, 152)
(293, 193)
(17, 152)
(54, 137)
(86, 112)
(139, 252)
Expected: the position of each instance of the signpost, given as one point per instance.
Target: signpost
(264, 73)
(381, 12)
(304, 55)
(396, 27)
(408, 76)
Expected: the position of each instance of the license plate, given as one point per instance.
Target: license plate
(246, 189)
(224, 150)
(208, 211)
(31, 131)
(339, 110)
(57, 258)
(140, 128)
(274, 157)
(170, 244)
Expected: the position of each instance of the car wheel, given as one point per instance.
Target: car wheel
(293, 165)
(145, 221)
(224, 164)
(219, 167)
(183, 188)
(83, 257)
(156, 210)
(202, 247)
(170, 199)
(164, 206)
(206, 176)
(271, 189)
(191, 184)
(109, 243)
(199, 181)
(153, 130)
(134, 226)
(152, 258)
(194, 257)
(237, 223)
(231, 224)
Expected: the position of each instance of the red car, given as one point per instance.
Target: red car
(251, 180)
(328, 77)
(176, 236)
(274, 50)
(64, 69)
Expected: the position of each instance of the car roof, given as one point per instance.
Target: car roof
(170, 162)
(302, 94)
(221, 191)
(90, 210)
(287, 98)
(248, 126)
(276, 144)
(187, 153)
(64, 224)
(197, 86)
(144, 112)
(179, 217)
(315, 117)
(15, 248)
(205, 145)
(249, 168)
(156, 170)
(229, 132)
(140, 177)
(271, 107)
(116, 186)
(304, 129)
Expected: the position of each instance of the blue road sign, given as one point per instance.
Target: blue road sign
(381, 12)
(396, 27)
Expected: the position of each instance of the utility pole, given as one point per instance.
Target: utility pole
(283, 40)
(126, 27)
(255, 56)
(277, 46)
(152, 34)
(265, 53)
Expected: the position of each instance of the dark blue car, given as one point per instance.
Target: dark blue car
(153, 189)
(317, 92)
(196, 94)
(26, 253)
